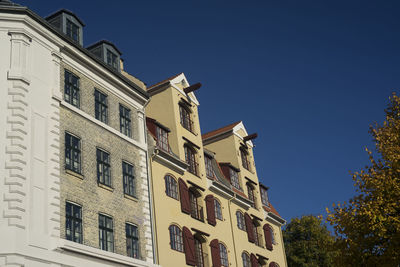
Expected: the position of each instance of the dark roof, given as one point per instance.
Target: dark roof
(24, 10)
(105, 42)
(220, 130)
(58, 12)
(7, 3)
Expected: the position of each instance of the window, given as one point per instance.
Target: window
(73, 222)
(112, 59)
(234, 178)
(125, 120)
(223, 253)
(103, 167)
(128, 179)
(132, 240)
(246, 260)
(71, 88)
(245, 160)
(176, 239)
(190, 159)
(186, 122)
(100, 106)
(199, 253)
(72, 153)
(162, 139)
(209, 168)
(240, 221)
(251, 196)
(196, 211)
(264, 196)
(106, 233)
(72, 30)
(171, 187)
(272, 235)
(257, 236)
(218, 210)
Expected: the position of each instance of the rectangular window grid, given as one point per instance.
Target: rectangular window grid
(73, 222)
(132, 240)
(209, 168)
(72, 153)
(264, 196)
(162, 139)
(100, 106)
(71, 88)
(129, 179)
(251, 196)
(72, 30)
(125, 120)
(106, 233)
(112, 59)
(234, 179)
(103, 167)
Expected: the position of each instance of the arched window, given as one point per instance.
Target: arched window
(240, 221)
(246, 260)
(273, 264)
(190, 159)
(176, 239)
(223, 253)
(171, 187)
(218, 210)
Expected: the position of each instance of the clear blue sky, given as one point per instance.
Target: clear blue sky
(308, 76)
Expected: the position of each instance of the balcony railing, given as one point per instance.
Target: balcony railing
(197, 213)
(203, 262)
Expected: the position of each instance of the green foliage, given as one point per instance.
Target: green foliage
(368, 226)
(308, 243)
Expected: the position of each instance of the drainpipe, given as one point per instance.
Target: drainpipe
(233, 236)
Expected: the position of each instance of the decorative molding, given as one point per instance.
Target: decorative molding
(16, 168)
(19, 62)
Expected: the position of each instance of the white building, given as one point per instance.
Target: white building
(31, 55)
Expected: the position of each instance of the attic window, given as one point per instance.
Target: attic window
(72, 30)
(112, 59)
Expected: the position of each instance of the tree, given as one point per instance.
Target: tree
(308, 243)
(368, 226)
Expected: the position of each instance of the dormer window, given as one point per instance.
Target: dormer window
(162, 139)
(69, 24)
(72, 30)
(112, 59)
(234, 178)
(108, 53)
(264, 196)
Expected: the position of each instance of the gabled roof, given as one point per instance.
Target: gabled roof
(271, 209)
(165, 81)
(67, 12)
(220, 130)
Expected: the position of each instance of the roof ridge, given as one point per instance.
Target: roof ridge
(219, 130)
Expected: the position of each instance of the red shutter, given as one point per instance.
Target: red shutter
(268, 236)
(151, 126)
(249, 228)
(184, 194)
(254, 261)
(215, 256)
(210, 210)
(272, 264)
(225, 171)
(188, 244)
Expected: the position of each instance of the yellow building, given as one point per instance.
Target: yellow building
(207, 206)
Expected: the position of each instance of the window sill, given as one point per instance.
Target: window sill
(106, 187)
(101, 254)
(72, 173)
(131, 197)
